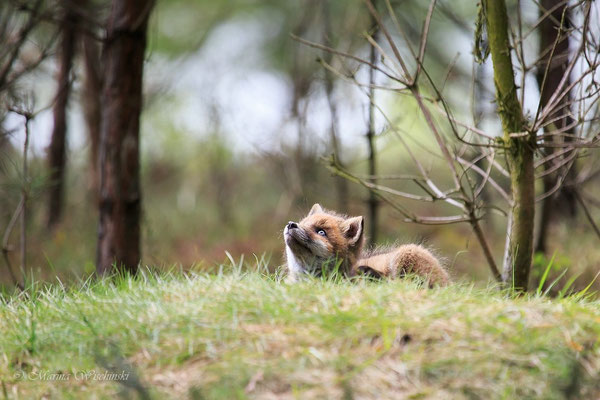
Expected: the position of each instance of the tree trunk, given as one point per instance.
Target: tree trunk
(519, 152)
(301, 82)
(57, 148)
(120, 195)
(372, 203)
(550, 31)
(91, 94)
(341, 184)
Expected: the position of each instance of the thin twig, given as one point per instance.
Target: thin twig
(492, 182)
(21, 210)
(6, 247)
(25, 195)
(486, 248)
(587, 212)
(346, 55)
(424, 36)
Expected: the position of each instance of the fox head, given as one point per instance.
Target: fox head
(322, 240)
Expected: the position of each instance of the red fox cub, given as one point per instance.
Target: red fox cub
(324, 239)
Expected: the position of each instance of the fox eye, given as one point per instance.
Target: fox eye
(321, 232)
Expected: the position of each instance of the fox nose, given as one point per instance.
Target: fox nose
(292, 225)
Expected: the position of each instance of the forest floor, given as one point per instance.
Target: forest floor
(236, 334)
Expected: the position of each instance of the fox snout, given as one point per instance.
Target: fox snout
(294, 233)
(291, 225)
(289, 228)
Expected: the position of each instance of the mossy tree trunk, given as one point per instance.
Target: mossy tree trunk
(519, 150)
(372, 201)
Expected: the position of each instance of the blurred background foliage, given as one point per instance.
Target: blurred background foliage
(236, 125)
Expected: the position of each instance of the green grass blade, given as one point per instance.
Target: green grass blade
(564, 290)
(545, 275)
(554, 282)
(582, 293)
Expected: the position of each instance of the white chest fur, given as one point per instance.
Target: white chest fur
(295, 268)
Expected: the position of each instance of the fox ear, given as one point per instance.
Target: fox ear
(354, 229)
(316, 209)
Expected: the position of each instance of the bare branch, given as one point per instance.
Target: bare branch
(492, 182)
(486, 248)
(390, 41)
(424, 36)
(346, 55)
(6, 247)
(587, 213)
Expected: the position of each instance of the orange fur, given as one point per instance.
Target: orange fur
(406, 259)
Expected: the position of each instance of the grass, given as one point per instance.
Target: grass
(235, 334)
